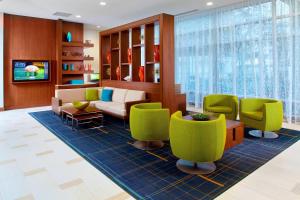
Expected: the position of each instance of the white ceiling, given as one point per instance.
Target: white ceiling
(116, 12)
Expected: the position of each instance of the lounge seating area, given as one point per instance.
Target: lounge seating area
(149, 100)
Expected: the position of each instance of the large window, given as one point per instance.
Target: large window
(250, 50)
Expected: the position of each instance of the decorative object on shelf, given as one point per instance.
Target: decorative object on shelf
(72, 67)
(129, 55)
(200, 117)
(157, 73)
(69, 37)
(65, 67)
(118, 73)
(81, 67)
(108, 57)
(88, 41)
(89, 67)
(156, 53)
(127, 78)
(80, 105)
(118, 42)
(141, 73)
(88, 57)
(108, 71)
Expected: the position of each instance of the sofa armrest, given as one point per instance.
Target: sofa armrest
(273, 115)
(131, 103)
(56, 103)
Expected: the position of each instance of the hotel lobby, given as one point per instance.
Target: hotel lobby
(164, 99)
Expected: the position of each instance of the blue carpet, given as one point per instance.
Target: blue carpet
(153, 175)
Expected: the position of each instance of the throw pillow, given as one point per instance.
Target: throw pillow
(91, 94)
(107, 95)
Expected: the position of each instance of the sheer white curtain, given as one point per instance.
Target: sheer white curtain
(250, 50)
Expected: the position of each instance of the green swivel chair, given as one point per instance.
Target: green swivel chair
(221, 104)
(266, 115)
(149, 125)
(197, 143)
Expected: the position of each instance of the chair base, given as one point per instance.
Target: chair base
(148, 145)
(195, 168)
(263, 134)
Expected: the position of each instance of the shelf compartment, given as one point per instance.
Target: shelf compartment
(136, 63)
(106, 72)
(115, 40)
(136, 36)
(88, 58)
(70, 58)
(105, 48)
(124, 72)
(150, 73)
(152, 63)
(137, 45)
(88, 45)
(72, 72)
(72, 44)
(124, 46)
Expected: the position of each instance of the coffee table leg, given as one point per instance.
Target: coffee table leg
(72, 123)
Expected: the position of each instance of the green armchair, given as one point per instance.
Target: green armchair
(197, 143)
(149, 125)
(221, 104)
(266, 115)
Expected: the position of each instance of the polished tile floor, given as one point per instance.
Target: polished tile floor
(34, 164)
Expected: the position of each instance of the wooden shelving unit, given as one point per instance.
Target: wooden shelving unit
(131, 46)
(69, 53)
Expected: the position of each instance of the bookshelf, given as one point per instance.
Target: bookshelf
(148, 43)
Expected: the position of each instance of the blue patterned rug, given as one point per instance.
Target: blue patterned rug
(153, 174)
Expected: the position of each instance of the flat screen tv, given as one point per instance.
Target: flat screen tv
(31, 70)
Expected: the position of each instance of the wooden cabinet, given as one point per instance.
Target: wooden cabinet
(69, 54)
(140, 55)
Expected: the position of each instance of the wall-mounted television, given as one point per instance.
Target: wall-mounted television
(30, 70)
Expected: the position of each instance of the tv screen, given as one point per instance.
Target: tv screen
(30, 70)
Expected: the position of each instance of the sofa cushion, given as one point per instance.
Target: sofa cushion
(135, 95)
(119, 95)
(106, 95)
(70, 95)
(111, 107)
(91, 94)
(254, 115)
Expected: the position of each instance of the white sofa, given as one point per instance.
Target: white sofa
(122, 100)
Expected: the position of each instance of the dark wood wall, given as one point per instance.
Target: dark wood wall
(28, 38)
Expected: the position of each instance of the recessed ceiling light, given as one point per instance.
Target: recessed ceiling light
(98, 26)
(210, 3)
(102, 3)
(77, 16)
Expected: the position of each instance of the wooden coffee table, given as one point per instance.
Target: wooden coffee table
(234, 130)
(88, 115)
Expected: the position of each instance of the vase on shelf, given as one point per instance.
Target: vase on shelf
(156, 53)
(129, 55)
(69, 37)
(72, 67)
(65, 67)
(108, 57)
(118, 73)
(141, 73)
